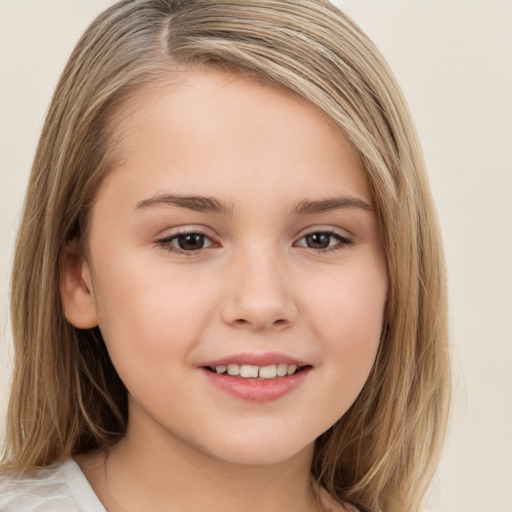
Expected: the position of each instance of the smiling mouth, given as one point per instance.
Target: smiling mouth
(247, 371)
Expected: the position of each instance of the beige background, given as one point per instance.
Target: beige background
(453, 59)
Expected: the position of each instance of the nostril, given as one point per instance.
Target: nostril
(242, 322)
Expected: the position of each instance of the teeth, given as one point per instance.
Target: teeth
(291, 369)
(268, 372)
(282, 370)
(248, 371)
(233, 369)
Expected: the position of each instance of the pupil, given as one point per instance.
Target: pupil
(318, 240)
(191, 242)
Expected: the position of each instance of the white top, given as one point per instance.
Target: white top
(59, 488)
(63, 488)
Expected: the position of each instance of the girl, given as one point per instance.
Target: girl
(228, 290)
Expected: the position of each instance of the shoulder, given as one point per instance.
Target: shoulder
(58, 488)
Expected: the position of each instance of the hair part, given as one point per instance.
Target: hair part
(66, 396)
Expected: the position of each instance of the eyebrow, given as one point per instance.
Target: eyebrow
(195, 203)
(308, 207)
(211, 205)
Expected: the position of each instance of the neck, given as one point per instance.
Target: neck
(156, 472)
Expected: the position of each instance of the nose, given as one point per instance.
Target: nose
(259, 295)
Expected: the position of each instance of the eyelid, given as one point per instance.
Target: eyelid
(186, 229)
(344, 238)
(326, 228)
(166, 241)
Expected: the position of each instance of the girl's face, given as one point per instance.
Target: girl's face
(235, 234)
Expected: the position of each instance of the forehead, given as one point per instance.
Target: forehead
(205, 127)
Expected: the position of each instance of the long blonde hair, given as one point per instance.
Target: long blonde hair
(66, 396)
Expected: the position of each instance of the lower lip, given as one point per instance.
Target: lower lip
(256, 390)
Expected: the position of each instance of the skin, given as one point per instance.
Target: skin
(258, 285)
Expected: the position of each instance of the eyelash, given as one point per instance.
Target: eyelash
(342, 241)
(167, 242)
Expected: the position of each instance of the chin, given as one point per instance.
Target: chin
(256, 450)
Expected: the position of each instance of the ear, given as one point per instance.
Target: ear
(76, 289)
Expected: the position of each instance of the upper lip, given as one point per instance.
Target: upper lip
(266, 359)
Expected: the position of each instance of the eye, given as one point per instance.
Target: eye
(324, 240)
(186, 242)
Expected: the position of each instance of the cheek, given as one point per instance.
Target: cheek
(149, 318)
(349, 305)
(347, 319)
